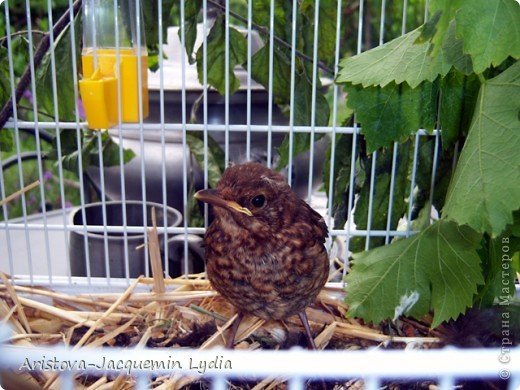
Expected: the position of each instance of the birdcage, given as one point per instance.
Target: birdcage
(112, 122)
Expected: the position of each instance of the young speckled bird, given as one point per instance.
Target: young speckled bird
(265, 248)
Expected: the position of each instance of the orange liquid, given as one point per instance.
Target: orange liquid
(127, 73)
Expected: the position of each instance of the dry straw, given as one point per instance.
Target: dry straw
(175, 313)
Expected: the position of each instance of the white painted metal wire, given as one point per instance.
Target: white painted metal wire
(34, 249)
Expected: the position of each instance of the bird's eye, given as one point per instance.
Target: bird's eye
(258, 201)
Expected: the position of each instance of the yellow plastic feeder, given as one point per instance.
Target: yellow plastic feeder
(106, 61)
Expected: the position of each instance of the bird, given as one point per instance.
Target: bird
(265, 247)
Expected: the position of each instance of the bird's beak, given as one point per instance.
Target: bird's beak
(214, 198)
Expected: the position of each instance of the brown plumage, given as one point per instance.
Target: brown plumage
(265, 247)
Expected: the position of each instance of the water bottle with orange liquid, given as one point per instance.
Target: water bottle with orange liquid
(114, 63)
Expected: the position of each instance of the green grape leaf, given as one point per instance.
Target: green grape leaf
(446, 9)
(438, 269)
(490, 30)
(484, 190)
(452, 50)
(458, 98)
(444, 170)
(429, 28)
(394, 112)
(515, 227)
(216, 43)
(399, 60)
(499, 274)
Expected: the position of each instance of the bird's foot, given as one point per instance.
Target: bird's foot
(231, 337)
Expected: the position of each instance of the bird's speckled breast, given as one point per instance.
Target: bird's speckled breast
(270, 274)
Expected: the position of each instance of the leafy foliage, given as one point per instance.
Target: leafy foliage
(396, 89)
(214, 155)
(216, 60)
(6, 140)
(150, 18)
(440, 266)
(491, 31)
(459, 72)
(46, 91)
(89, 149)
(394, 62)
(398, 108)
(457, 103)
(484, 191)
(5, 86)
(192, 8)
(381, 212)
(498, 269)
(66, 102)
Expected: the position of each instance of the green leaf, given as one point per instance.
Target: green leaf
(394, 112)
(89, 150)
(447, 10)
(216, 43)
(6, 140)
(499, 274)
(5, 85)
(490, 30)
(484, 191)
(302, 98)
(423, 219)
(110, 151)
(64, 72)
(458, 98)
(394, 62)
(381, 194)
(424, 173)
(214, 155)
(150, 20)
(69, 150)
(193, 215)
(281, 72)
(452, 50)
(303, 105)
(191, 15)
(515, 227)
(303, 117)
(262, 14)
(437, 269)
(429, 28)
(153, 59)
(326, 26)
